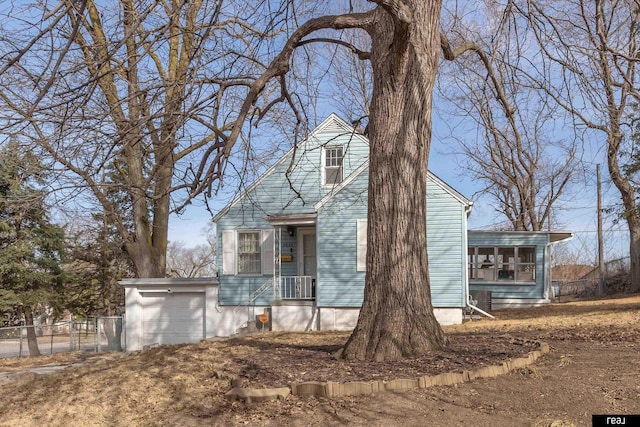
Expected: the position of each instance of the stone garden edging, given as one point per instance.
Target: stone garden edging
(332, 389)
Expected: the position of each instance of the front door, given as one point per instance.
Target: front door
(307, 261)
(307, 252)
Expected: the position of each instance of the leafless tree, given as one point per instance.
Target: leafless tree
(352, 80)
(196, 261)
(131, 100)
(170, 90)
(587, 66)
(516, 152)
(577, 252)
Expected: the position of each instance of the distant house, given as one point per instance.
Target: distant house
(294, 248)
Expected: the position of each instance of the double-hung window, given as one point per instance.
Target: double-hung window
(333, 165)
(249, 252)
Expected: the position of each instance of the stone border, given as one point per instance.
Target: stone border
(332, 390)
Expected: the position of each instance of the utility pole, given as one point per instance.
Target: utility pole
(549, 285)
(600, 239)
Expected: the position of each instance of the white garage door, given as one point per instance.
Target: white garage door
(172, 318)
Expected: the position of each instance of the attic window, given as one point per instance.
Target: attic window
(333, 165)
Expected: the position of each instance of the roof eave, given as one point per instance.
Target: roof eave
(293, 220)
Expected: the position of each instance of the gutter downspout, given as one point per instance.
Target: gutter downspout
(547, 293)
(473, 307)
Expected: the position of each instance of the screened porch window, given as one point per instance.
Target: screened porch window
(249, 252)
(502, 264)
(526, 268)
(333, 165)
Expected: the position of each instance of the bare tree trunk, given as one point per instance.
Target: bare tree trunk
(595, 45)
(149, 261)
(32, 339)
(628, 196)
(634, 267)
(396, 319)
(113, 332)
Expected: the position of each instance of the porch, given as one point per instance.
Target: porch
(294, 247)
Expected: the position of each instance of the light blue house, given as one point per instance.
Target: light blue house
(295, 247)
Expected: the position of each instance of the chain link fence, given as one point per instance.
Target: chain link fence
(93, 334)
(616, 280)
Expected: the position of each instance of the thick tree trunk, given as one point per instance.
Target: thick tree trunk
(634, 256)
(632, 218)
(113, 332)
(628, 196)
(148, 261)
(396, 319)
(32, 339)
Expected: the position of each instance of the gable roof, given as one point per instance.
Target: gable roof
(332, 123)
(440, 183)
(335, 190)
(449, 189)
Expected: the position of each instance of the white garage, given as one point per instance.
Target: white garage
(173, 311)
(172, 318)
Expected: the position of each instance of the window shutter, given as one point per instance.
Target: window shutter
(267, 251)
(228, 252)
(361, 245)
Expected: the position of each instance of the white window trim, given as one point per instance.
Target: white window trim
(231, 257)
(237, 251)
(323, 161)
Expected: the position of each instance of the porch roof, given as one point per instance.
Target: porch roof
(554, 236)
(293, 219)
(560, 236)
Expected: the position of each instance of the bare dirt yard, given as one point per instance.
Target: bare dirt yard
(593, 368)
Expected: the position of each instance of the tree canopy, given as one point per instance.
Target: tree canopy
(141, 106)
(31, 247)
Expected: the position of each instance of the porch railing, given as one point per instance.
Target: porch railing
(297, 287)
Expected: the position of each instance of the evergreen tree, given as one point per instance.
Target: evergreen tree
(31, 246)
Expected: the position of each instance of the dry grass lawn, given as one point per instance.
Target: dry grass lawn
(185, 384)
